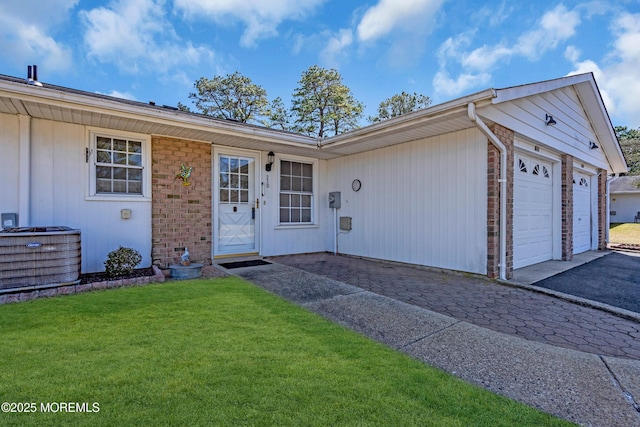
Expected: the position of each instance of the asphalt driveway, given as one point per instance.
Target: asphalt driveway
(613, 279)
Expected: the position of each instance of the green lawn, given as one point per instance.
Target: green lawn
(627, 234)
(220, 352)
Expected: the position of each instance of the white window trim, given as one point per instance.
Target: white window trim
(92, 134)
(314, 197)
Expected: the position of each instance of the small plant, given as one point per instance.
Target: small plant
(122, 261)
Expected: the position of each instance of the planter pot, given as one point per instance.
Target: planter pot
(192, 271)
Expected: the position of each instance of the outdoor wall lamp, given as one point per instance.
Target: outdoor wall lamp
(592, 145)
(549, 120)
(270, 159)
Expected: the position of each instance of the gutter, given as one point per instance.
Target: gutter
(412, 118)
(471, 111)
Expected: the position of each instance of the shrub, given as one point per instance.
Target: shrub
(122, 261)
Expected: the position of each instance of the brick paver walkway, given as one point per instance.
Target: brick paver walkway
(485, 303)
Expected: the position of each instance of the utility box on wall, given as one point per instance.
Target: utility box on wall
(345, 223)
(334, 200)
(9, 220)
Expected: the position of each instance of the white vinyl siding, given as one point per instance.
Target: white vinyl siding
(58, 166)
(423, 202)
(10, 163)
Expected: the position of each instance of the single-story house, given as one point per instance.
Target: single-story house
(487, 183)
(625, 199)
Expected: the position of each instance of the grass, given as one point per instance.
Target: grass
(221, 352)
(624, 234)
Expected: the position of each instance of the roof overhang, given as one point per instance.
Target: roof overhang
(89, 109)
(59, 104)
(432, 121)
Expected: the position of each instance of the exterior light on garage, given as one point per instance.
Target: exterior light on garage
(549, 120)
(593, 145)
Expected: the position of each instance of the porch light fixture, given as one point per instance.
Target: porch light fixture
(270, 159)
(549, 120)
(593, 145)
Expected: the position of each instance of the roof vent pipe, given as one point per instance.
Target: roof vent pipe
(32, 75)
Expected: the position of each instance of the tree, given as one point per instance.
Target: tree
(183, 107)
(400, 104)
(630, 145)
(278, 116)
(232, 97)
(323, 102)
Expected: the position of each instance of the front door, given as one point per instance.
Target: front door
(237, 204)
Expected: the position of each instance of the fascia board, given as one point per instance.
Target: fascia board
(141, 111)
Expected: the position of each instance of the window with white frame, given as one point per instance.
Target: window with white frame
(296, 192)
(118, 166)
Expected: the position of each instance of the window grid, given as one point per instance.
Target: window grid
(296, 192)
(234, 180)
(118, 166)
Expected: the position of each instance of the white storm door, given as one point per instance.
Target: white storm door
(581, 213)
(236, 204)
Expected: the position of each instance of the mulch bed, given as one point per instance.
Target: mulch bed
(102, 276)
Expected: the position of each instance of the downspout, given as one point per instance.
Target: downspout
(471, 110)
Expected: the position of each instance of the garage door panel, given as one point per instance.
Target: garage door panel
(532, 212)
(581, 213)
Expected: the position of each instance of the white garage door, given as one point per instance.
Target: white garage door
(581, 213)
(532, 211)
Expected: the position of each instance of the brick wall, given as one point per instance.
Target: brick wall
(602, 209)
(506, 136)
(181, 215)
(566, 189)
(493, 211)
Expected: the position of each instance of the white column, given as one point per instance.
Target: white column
(24, 172)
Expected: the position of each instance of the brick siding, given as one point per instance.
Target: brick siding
(602, 209)
(506, 136)
(566, 189)
(181, 215)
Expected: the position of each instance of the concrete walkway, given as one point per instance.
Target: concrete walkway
(522, 344)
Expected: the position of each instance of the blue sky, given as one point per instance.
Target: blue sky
(154, 50)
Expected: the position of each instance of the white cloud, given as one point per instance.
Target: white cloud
(554, 27)
(136, 36)
(45, 14)
(621, 76)
(403, 15)
(260, 17)
(485, 57)
(335, 46)
(123, 95)
(446, 86)
(572, 53)
(588, 66)
(27, 31)
(617, 76)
